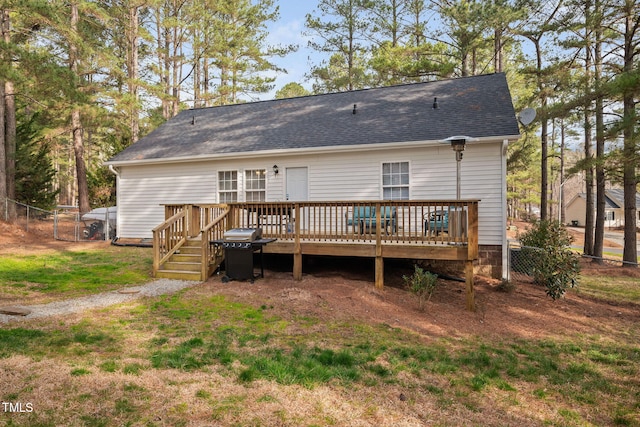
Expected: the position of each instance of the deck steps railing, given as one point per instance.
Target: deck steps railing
(181, 243)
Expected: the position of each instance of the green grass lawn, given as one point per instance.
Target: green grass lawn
(619, 289)
(73, 273)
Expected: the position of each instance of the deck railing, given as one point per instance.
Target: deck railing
(168, 237)
(216, 221)
(410, 222)
(206, 222)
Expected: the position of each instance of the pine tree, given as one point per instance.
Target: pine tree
(34, 172)
(291, 90)
(342, 35)
(239, 52)
(629, 12)
(466, 25)
(8, 122)
(536, 31)
(401, 53)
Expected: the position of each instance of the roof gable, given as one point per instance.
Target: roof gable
(478, 106)
(617, 194)
(614, 198)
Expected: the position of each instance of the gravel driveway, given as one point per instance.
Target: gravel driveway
(75, 305)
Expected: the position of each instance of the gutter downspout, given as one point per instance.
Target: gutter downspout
(505, 246)
(114, 171)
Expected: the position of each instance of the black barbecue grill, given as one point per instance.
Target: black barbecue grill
(239, 246)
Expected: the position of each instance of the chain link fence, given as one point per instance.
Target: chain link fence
(610, 261)
(525, 261)
(63, 223)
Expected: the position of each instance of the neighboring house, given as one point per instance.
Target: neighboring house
(576, 209)
(372, 144)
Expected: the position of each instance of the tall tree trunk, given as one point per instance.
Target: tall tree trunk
(197, 73)
(588, 154)
(81, 168)
(630, 151)
(133, 71)
(3, 157)
(162, 40)
(561, 211)
(176, 67)
(350, 56)
(589, 219)
(76, 123)
(205, 81)
(598, 242)
(10, 143)
(544, 135)
(497, 50)
(9, 128)
(395, 38)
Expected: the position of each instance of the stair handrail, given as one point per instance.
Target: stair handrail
(214, 230)
(168, 237)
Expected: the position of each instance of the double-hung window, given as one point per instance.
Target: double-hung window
(395, 181)
(255, 185)
(227, 186)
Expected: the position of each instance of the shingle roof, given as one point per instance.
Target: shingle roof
(614, 198)
(478, 106)
(618, 195)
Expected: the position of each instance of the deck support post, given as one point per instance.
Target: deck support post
(297, 249)
(468, 272)
(297, 266)
(193, 220)
(379, 272)
(379, 258)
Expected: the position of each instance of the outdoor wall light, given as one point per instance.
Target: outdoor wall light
(275, 169)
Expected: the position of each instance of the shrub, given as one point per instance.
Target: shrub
(422, 283)
(554, 265)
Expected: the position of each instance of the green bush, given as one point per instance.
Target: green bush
(422, 283)
(555, 265)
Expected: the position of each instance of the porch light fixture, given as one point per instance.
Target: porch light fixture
(458, 143)
(275, 169)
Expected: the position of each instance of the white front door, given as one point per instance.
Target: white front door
(297, 184)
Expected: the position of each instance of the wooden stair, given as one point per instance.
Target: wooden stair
(186, 264)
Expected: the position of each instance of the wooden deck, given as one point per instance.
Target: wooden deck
(374, 229)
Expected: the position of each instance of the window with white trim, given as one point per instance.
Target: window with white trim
(255, 185)
(227, 186)
(395, 181)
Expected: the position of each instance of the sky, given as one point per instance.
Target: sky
(288, 30)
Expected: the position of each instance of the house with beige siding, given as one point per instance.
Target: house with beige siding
(576, 209)
(384, 144)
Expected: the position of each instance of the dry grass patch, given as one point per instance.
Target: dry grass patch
(183, 360)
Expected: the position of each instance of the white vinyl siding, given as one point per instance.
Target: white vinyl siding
(142, 190)
(331, 176)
